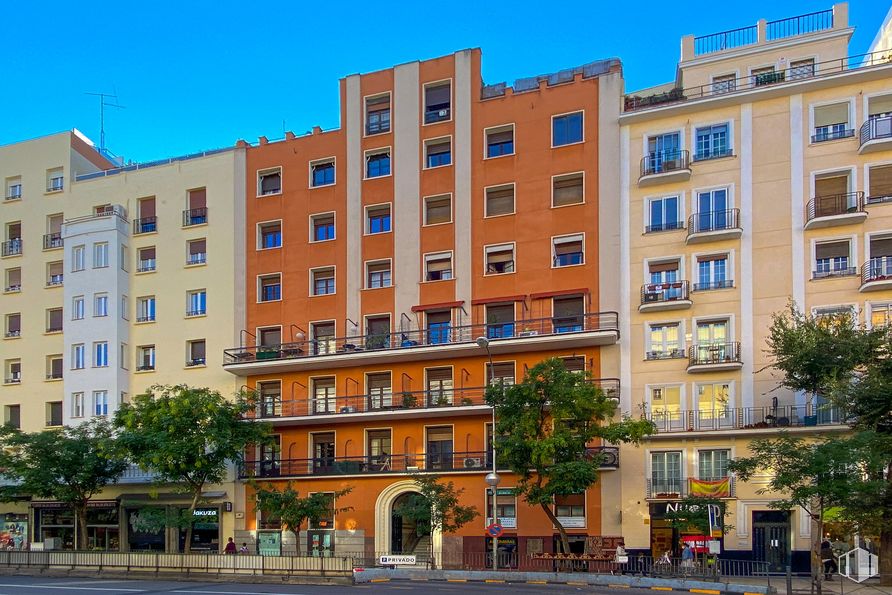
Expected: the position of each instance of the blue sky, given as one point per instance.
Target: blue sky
(201, 74)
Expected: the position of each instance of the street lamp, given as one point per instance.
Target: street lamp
(492, 478)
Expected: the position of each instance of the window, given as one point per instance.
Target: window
(269, 235)
(439, 445)
(570, 507)
(196, 212)
(197, 252)
(14, 188)
(664, 341)
(665, 472)
(378, 274)
(437, 101)
(832, 195)
(378, 219)
(323, 337)
(322, 173)
(324, 395)
(100, 304)
(269, 337)
(327, 518)
(713, 211)
(77, 404)
(574, 363)
(766, 76)
(438, 267)
(566, 129)
(100, 403)
(377, 331)
(378, 385)
(567, 190)
(77, 259)
(438, 152)
(713, 400)
(145, 309)
(13, 280)
(378, 446)
(663, 153)
(146, 261)
(125, 258)
(377, 114)
(195, 353)
(712, 142)
(800, 69)
(713, 464)
(54, 274)
(438, 325)
(500, 200)
(832, 259)
(13, 244)
(100, 255)
(13, 371)
(54, 413)
(663, 214)
(500, 373)
(100, 354)
(53, 237)
(323, 281)
(499, 259)
(568, 314)
(828, 313)
(55, 179)
(500, 320)
(879, 184)
(124, 356)
(500, 141)
(54, 320)
(77, 356)
(567, 251)
(323, 227)
(712, 272)
(269, 288)
(270, 398)
(196, 303)
(145, 358)
(377, 163)
(147, 222)
(13, 325)
(831, 122)
(724, 83)
(880, 314)
(437, 209)
(269, 181)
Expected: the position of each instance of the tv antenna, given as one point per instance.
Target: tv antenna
(102, 105)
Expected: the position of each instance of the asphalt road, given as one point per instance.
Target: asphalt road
(23, 585)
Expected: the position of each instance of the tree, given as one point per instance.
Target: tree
(435, 507)
(292, 509)
(545, 426)
(70, 465)
(188, 437)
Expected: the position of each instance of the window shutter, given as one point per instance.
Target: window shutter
(503, 370)
(561, 248)
(881, 181)
(147, 253)
(832, 250)
(322, 331)
(500, 201)
(504, 136)
(500, 314)
(880, 247)
(838, 113)
(499, 256)
(439, 210)
(379, 380)
(439, 264)
(831, 186)
(439, 317)
(269, 182)
(147, 207)
(712, 257)
(568, 306)
(198, 350)
(198, 198)
(439, 374)
(567, 190)
(378, 104)
(436, 95)
(378, 326)
(438, 148)
(197, 246)
(660, 267)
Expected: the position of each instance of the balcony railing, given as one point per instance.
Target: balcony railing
(674, 488)
(667, 226)
(145, 225)
(369, 465)
(11, 247)
(673, 291)
(745, 418)
(665, 162)
(715, 153)
(832, 205)
(436, 113)
(54, 280)
(133, 474)
(832, 134)
(876, 128)
(790, 76)
(711, 285)
(378, 400)
(705, 354)
(708, 221)
(725, 40)
(146, 265)
(195, 216)
(413, 339)
(197, 258)
(52, 240)
(835, 271)
(877, 269)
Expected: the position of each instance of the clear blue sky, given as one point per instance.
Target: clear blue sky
(198, 74)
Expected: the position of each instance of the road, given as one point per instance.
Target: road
(24, 585)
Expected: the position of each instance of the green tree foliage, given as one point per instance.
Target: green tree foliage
(188, 436)
(293, 509)
(435, 507)
(546, 426)
(70, 465)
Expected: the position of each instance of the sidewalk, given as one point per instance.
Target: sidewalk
(838, 586)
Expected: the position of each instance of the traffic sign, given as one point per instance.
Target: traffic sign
(494, 530)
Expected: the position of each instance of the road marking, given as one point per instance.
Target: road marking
(661, 588)
(227, 592)
(81, 588)
(618, 586)
(380, 580)
(494, 580)
(456, 580)
(746, 593)
(542, 583)
(577, 583)
(707, 591)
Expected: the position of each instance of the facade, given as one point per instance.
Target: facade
(441, 211)
(138, 279)
(762, 175)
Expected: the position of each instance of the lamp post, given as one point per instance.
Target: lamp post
(492, 478)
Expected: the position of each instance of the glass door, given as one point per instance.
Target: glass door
(665, 473)
(323, 453)
(712, 210)
(663, 148)
(712, 337)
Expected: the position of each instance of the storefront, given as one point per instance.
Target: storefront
(666, 538)
(141, 538)
(205, 530)
(56, 521)
(14, 532)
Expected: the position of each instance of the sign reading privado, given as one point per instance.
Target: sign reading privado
(393, 560)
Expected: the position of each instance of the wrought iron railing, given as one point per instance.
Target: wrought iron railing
(478, 461)
(725, 40)
(52, 240)
(703, 354)
(708, 221)
(662, 162)
(831, 205)
(11, 247)
(745, 418)
(145, 225)
(877, 269)
(671, 291)
(876, 128)
(710, 285)
(195, 216)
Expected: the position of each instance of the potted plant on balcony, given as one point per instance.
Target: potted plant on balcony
(409, 400)
(467, 401)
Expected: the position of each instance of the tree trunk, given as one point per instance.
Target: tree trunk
(187, 547)
(817, 565)
(565, 542)
(80, 510)
(886, 555)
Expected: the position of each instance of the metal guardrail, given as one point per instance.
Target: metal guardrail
(195, 216)
(413, 339)
(148, 164)
(145, 225)
(714, 353)
(368, 464)
(877, 269)
(709, 221)
(831, 205)
(11, 247)
(725, 40)
(799, 25)
(661, 293)
(52, 240)
(876, 128)
(663, 162)
(745, 418)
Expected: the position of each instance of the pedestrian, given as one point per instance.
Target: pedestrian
(243, 549)
(230, 547)
(687, 556)
(829, 560)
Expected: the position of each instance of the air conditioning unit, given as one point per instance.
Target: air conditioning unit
(609, 458)
(474, 463)
(348, 409)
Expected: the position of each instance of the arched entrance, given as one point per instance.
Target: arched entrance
(387, 501)
(403, 536)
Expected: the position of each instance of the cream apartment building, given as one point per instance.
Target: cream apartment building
(116, 279)
(762, 174)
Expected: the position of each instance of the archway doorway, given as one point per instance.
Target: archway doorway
(404, 538)
(384, 506)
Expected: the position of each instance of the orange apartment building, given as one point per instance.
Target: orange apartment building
(442, 210)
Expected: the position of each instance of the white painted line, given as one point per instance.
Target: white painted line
(235, 592)
(79, 588)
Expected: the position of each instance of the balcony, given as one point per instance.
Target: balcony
(133, 474)
(197, 258)
(609, 456)
(876, 134)
(876, 274)
(745, 418)
(590, 329)
(385, 464)
(714, 226)
(664, 167)
(835, 209)
(195, 217)
(54, 280)
(713, 285)
(668, 353)
(825, 133)
(52, 241)
(11, 247)
(385, 403)
(710, 357)
(145, 225)
(13, 379)
(145, 266)
(656, 297)
(678, 488)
